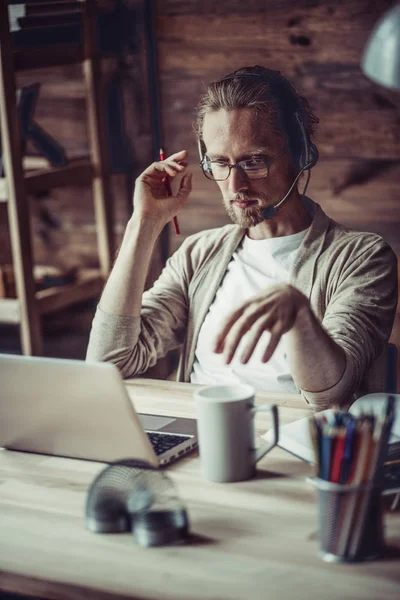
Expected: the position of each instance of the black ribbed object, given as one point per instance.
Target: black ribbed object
(132, 495)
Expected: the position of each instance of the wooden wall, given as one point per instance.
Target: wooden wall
(318, 45)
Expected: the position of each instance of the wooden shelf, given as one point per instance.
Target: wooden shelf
(68, 54)
(37, 58)
(9, 311)
(89, 284)
(3, 189)
(30, 162)
(30, 305)
(76, 172)
(44, 17)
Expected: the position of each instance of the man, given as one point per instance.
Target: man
(285, 299)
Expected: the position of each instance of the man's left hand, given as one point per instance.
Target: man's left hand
(275, 311)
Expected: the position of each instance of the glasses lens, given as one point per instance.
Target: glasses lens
(255, 168)
(215, 170)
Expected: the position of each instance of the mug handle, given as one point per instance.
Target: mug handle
(264, 448)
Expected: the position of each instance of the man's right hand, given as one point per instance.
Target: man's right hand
(151, 200)
(153, 208)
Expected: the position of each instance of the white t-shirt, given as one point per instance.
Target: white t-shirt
(255, 266)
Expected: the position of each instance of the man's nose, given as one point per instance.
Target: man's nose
(238, 181)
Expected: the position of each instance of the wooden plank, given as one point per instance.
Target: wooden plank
(57, 7)
(97, 136)
(195, 51)
(10, 311)
(18, 207)
(344, 114)
(3, 189)
(89, 284)
(77, 172)
(55, 55)
(326, 31)
(35, 162)
(18, 584)
(36, 58)
(199, 7)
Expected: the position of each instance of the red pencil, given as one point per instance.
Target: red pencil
(169, 193)
(336, 465)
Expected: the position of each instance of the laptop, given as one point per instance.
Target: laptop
(75, 409)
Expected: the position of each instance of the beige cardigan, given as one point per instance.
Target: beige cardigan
(349, 277)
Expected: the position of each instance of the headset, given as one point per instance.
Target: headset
(292, 119)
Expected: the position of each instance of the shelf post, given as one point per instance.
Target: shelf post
(18, 205)
(97, 138)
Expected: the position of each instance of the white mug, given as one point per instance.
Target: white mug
(225, 425)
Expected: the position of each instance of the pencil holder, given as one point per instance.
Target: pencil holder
(350, 521)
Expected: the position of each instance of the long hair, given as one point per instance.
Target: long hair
(268, 93)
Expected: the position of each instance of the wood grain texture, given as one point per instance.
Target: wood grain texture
(253, 539)
(318, 45)
(61, 111)
(17, 205)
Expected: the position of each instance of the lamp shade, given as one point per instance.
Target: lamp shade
(381, 59)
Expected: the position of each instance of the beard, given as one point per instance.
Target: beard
(250, 216)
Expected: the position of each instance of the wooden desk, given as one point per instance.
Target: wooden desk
(255, 539)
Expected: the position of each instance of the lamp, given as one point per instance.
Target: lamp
(381, 59)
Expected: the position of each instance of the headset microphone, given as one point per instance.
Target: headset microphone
(305, 162)
(270, 211)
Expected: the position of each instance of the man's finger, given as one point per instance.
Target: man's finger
(178, 155)
(239, 329)
(179, 166)
(170, 170)
(185, 187)
(261, 325)
(249, 311)
(160, 169)
(219, 341)
(276, 334)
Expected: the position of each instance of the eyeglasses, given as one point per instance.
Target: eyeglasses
(250, 168)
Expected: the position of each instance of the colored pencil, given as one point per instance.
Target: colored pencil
(337, 460)
(351, 452)
(375, 461)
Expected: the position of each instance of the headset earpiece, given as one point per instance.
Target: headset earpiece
(314, 156)
(309, 154)
(201, 147)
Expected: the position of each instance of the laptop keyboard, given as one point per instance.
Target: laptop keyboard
(162, 442)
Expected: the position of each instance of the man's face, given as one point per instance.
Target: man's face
(236, 135)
